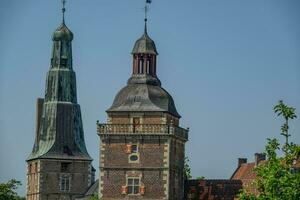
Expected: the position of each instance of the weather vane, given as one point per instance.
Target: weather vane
(147, 8)
(63, 10)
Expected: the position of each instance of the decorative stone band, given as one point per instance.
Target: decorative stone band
(154, 129)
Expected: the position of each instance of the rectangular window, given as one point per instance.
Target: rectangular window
(133, 185)
(65, 183)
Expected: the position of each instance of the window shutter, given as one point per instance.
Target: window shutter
(128, 148)
(124, 189)
(142, 189)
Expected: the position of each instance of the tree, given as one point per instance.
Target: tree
(186, 168)
(94, 197)
(287, 113)
(276, 178)
(7, 190)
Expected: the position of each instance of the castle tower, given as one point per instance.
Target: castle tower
(59, 166)
(142, 145)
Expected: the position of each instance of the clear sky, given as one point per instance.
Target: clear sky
(226, 63)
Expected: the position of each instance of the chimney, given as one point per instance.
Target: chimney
(259, 157)
(241, 161)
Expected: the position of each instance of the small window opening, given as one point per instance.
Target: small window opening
(63, 62)
(134, 148)
(65, 167)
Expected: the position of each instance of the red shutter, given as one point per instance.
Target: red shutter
(124, 189)
(128, 148)
(142, 189)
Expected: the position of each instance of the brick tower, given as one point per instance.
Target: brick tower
(59, 166)
(142, 145)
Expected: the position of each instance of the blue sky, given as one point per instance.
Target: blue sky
(226, 63)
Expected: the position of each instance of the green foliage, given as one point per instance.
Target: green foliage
(276, 179)
(94, 197)
(187, 169)
(287, 113)
(200, 178)
(7, 190)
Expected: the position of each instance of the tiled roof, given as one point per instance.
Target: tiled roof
(213, 189)
(245, 171)
(246, 174)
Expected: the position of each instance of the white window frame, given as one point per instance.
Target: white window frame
(134, 153)
(133, 185)
(65, 183)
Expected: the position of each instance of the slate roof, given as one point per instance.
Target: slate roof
(143, 93)
(144, 45)
(93, 189)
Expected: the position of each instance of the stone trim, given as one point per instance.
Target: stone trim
(166, 165)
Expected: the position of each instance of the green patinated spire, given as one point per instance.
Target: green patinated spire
(60, 131)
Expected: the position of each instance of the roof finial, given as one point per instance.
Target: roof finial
(63, 10)
(146, 12)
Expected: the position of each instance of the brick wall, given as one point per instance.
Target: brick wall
(160, 164)
(150, 154)
(44, 182)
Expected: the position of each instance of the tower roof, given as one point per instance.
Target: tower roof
(143, 92)
(60, 132)
(143, 97)
(62, 33)
(144, 45)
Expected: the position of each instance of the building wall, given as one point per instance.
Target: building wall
(116, 166)
(115, 153)
(160, 163)
(44, 175)
(113, 180)
(177, 154)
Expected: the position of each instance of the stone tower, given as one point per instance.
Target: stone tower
(142, 145)
(59, 166)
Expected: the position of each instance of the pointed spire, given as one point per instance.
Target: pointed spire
(63, 11)
(145, 28)
(146, 12)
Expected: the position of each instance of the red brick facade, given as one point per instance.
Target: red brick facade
(159, 166)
